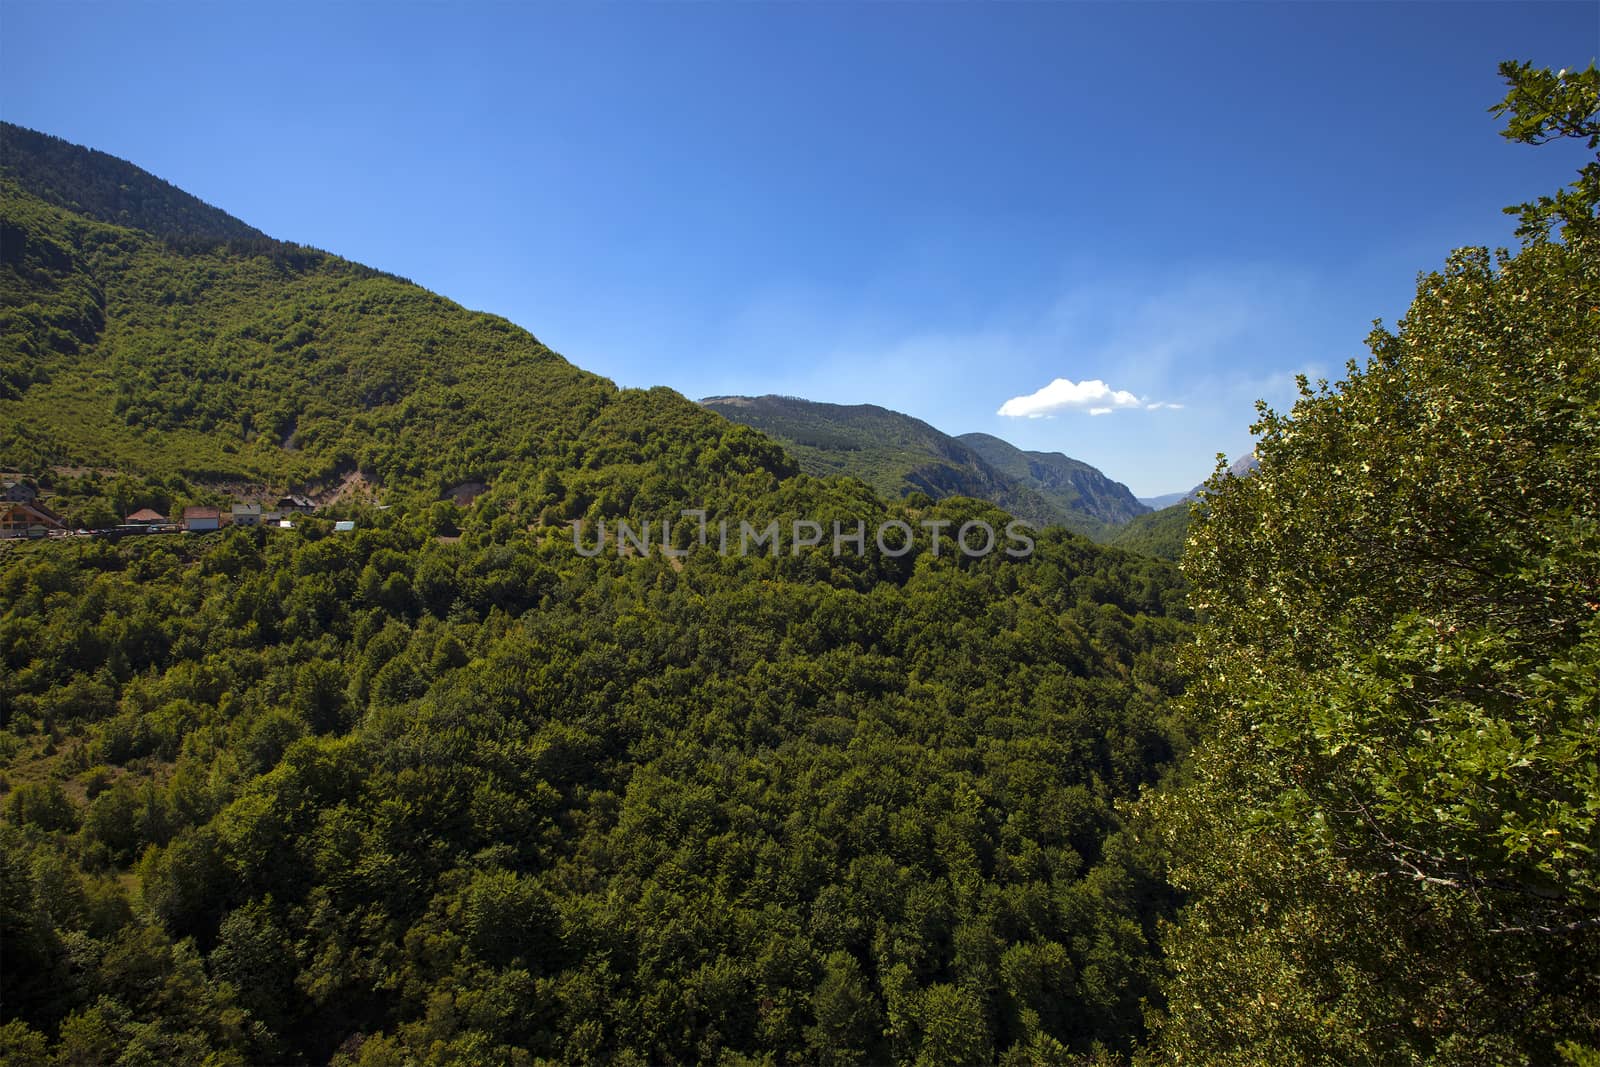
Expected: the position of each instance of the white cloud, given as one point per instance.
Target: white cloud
(1063, 394)
(1159, 404)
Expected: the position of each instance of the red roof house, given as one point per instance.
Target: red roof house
(202, 518)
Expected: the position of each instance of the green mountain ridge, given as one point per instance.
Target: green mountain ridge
(151, 335)
(898, 455)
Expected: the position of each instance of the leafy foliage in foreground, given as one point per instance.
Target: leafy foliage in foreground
(1392, 828)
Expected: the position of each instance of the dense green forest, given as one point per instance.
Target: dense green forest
(482, 802)
(440, 789)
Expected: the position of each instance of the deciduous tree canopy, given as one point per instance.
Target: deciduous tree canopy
(1391, 830)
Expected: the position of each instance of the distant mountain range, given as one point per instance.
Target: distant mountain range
(898, 455)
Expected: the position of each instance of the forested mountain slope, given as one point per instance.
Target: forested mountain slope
(440, 789)
(107, 189)
(243, 361)
(1070, 484)
(1159, 533)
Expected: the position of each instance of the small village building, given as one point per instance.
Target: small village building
(246, 515)
(19, 519)
(296, 502)
(18, 492)
(201, 518)
(344, 526)
(145, 517)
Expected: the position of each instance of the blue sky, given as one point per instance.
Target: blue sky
(939, 208)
